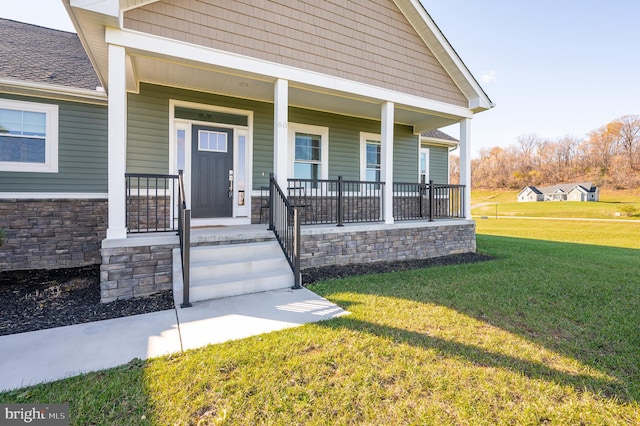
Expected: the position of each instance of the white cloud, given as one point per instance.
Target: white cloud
(488, 76)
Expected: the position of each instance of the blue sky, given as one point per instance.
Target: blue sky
(552, 67)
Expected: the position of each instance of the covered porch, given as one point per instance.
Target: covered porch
(247, 175)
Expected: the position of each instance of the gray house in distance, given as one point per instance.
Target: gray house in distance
(584, 191)
(239, 113)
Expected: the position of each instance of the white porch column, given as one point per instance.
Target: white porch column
(386, 158)
(465, 163)
(117, 115)
(280, 132)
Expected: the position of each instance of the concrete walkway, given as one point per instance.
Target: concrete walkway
(57, 353)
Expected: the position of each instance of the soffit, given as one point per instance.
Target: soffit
(212, 79)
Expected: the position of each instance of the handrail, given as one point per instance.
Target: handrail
(284, 221)
(184, 233)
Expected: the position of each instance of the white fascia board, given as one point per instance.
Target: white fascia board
(440, 142)
(53, 195)
(137, 41)
(51, 91)
(103, 7)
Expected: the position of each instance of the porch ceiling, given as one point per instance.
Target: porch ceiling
(229, 82)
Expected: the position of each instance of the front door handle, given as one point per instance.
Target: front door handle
(230, 184)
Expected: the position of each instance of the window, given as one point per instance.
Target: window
(309, 152)
(370, 149)
(423, 166)
(212, 141)
(28, 137)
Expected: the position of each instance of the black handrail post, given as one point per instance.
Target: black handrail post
(186, 260)
(271, 202)
(340, 211)
(431, 201)
(297, 279)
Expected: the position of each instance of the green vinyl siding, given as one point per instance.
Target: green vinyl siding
(148, 135)
(405, 154)
(438, 163)
(148, 128)
(82, 152)
(344, 143)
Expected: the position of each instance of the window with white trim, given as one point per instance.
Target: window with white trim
(309, 152)
(370, 155)
(28, 137)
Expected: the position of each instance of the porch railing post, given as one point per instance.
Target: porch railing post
(421, 192)
(431, 201)
(340, 210)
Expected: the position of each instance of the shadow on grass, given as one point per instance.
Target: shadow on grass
(484, 358)
(579, 301)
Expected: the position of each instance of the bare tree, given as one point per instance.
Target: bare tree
(629, 133)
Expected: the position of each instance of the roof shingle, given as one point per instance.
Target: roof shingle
(43, 55)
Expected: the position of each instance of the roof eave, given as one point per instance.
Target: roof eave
(430, 33)
(52, 91)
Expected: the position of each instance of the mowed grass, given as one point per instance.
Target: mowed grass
(612, 205)
(546, 333)
(613, 234)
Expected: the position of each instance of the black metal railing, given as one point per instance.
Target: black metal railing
(421, 201)
(184, 233)
(284, 221)
(337, 201)
(150, 202)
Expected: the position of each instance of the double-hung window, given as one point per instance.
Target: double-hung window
(309, 151)
(28, 137)
(370, 157)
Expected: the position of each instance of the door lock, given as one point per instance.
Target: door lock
(230, 184)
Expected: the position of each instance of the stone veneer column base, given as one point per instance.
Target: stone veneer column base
(323, 246)
(137, 266)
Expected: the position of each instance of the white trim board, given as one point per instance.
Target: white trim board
(53, 195)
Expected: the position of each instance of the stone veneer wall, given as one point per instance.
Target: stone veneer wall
(373, 243)
(136, 267)
(51, 233)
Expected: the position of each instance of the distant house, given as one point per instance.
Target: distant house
(530, 193)
(584, 191)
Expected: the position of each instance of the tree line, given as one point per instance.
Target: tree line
(608, 157)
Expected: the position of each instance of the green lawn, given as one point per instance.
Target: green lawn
(546, 333)
(618, 205)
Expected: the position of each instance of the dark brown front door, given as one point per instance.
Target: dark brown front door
(211, 161)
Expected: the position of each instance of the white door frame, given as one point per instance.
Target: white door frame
(241, 214)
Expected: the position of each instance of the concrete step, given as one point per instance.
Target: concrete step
(232, 270)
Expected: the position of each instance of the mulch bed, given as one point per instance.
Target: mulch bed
(312, 275)
(41, 299)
